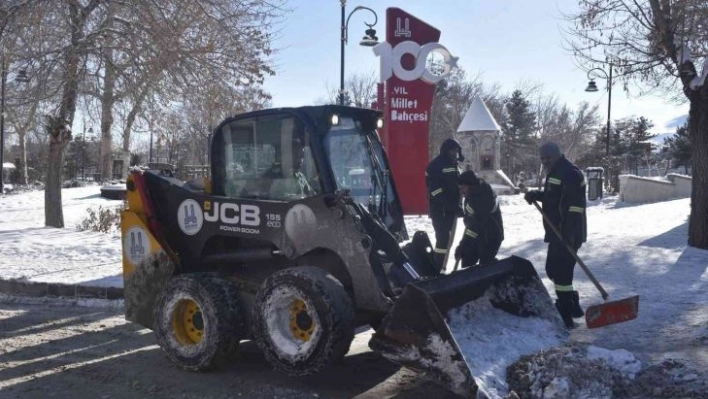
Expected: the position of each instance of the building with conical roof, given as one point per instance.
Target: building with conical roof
(479, 136)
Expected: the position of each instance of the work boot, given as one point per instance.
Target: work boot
(577, 311)
(564, 304)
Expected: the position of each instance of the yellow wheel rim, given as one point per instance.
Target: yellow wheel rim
(187, 322)
(301, 323)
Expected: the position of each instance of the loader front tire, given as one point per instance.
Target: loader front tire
(197, 321)
(303, 320)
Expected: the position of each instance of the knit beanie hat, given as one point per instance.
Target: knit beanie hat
(549, 149)
(468, 178)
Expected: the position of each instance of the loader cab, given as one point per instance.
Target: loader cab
(265, 157)
(291, 154)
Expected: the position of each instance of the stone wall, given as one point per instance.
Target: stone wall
(636, 189)
(683, 184)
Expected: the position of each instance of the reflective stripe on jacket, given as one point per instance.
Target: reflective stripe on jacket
(563, 199)
(483, 219)
(441, 179)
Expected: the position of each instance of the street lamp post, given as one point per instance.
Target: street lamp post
(3, 78)
(369, 40)
(592, 87)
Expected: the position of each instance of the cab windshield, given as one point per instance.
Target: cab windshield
(358, 165)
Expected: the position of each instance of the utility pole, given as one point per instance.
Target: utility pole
(342, 38)
(592, 87)
(83, 149)
(369, 40)
(609, 107)
(3, 78)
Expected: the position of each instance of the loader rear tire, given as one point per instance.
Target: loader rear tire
(197, 321)
(303, 320)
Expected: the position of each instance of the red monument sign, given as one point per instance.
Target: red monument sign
(406, 96)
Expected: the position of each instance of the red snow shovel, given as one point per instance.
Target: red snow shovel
(610, 312)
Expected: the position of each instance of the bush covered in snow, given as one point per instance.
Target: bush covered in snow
(103, 220)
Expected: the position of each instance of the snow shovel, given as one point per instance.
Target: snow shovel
(450, 242)
(605, 314)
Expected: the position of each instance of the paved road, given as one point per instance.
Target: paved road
(60, 351)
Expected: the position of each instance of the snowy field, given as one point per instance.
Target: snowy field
(632, 249)
(31, 252)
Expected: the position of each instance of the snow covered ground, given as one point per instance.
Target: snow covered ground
(31, 252)
(632, 249)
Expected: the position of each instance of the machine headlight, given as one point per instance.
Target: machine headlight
(335, 120)
(379, 123)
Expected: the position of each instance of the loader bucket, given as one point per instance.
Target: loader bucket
(463, 329)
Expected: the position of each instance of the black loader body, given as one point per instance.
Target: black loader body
(294, 241)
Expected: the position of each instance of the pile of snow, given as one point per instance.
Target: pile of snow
(584, 371)
(491, 339)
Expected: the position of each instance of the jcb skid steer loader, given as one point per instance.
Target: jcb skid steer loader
(294, 241)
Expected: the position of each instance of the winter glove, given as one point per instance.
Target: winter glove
(458, 252)
(531, 196)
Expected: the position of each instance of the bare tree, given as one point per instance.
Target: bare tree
(108, 46)
(59, 125)
(33, 86)
(21, 110)
(169, 52)
(653, 43)
(453, 97)
(572, 129)
(360, 91)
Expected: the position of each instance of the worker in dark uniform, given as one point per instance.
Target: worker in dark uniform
(484, 229)
(444, 196)
(563, 199)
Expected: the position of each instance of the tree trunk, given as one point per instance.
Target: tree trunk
(126, 164)
(698, 128)
(107, 101)
(106, 160)
(22, 167)
(59, 126)
(126, 148)
(129, 122)
(53, 214)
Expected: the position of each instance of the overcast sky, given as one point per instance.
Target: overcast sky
(504, 41)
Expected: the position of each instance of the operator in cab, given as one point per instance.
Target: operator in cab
(288, 183)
